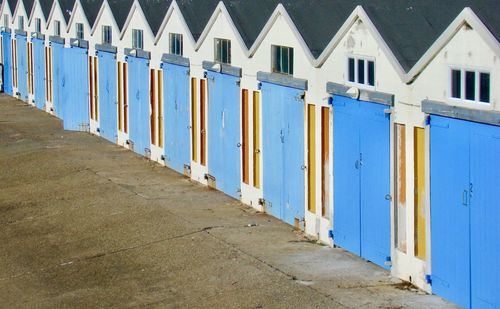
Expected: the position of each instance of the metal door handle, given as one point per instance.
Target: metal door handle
(356, 164)
(238, 145)
(303, 167)
(464, 197)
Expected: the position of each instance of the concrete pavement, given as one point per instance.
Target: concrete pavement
(85, 223)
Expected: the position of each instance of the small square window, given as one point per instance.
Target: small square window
(176, 44)
(470, 85)
(222, 50)
(20, 23)
(137, 39)
(38, 25)
(361, 71)
(282, 59)
(107, 35)
(79, 31)
(57, 28)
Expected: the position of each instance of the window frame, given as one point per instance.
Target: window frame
(366, 75)
(20, 23)
(38, 25)
(136, 39)
(174, 39)
(57, 28)
(106, 34)
(290, 64)
(228, 52)
(477, 85)
(79, 31)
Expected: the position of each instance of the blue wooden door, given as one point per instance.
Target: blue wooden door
(375, 200)
(22, 67)
(224, 132)
(176, 112)
(362, 179)
(7, 63)
(108, 102)
(346, 171)
(57, 78)
(75, 93)
(449, 164)
(283, 152)
(485, 216)
(39, 72)
(139, 111)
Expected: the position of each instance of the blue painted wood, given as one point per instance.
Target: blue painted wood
(485, 215)
(7, 62)
(346, 171)
(75, 101)
(224, 162)
(139, 110)
(39, 72)
(449, 165)
(362, 179)
(375, 183)
(57, 78)
(283, 152)
(176, 111)
(22, 67)
(108, 102)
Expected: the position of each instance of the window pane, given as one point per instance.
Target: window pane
(456, 83)
(470, 85)
(484, 87)
(275, 54)
(290, 57)
(224, 51)
(284, 60)
(351, 70)
(361, 71)
(371, 73)
(217, 50)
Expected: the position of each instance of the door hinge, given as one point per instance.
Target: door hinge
(428, 279)
(330, 234)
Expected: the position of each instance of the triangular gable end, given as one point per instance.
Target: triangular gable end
(174, 7)
(77, 9)
(104, 6)
(467, 16)
(281, 11)
(360, 14)
(135, 7)
(55, 8)
(221, 9)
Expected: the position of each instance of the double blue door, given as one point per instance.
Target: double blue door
(57, 79)
(283, 152)
(108, 102)
(139, 111)
(465, 211)
(39, 72)
(22, 66)
(7, 63)
(74, 89)
(224, 132)
(362, 179)
(177, 116)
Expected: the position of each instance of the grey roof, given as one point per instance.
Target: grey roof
(12, 5)
(120, 10)
(155, 11)
(91, 9)
(67, 8)
(46, 5)
(197, 13)
(28, 6)
(249, 17)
